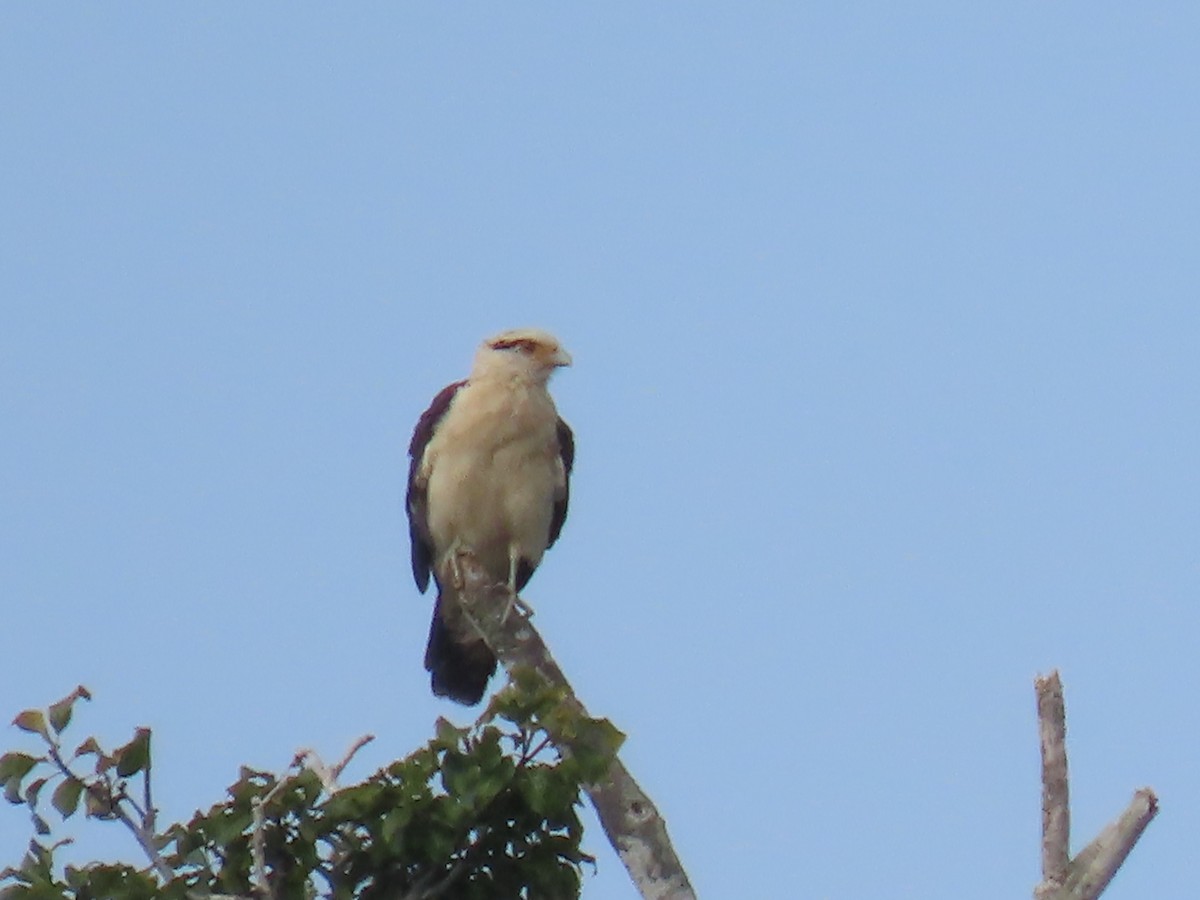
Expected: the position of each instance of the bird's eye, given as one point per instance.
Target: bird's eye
(519, 346)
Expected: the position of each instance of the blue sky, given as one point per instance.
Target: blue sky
(885, 320)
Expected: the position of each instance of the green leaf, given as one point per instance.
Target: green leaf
(491, 783)
(38, 861)
(596, 744)
(32, 791)
(60, 712)
(448, 735)
(76, 878)
(17, 765)
(98, 802)
(547, 793)
(40, 825)
(33, 721)
(104, 763)
(66, 797)
(134, 756)
(89, 746)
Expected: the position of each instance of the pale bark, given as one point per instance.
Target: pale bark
(1087, 875)
(1056, 810)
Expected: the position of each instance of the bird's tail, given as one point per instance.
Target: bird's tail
(459, 663)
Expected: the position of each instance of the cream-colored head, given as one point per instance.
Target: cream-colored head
(522, 352)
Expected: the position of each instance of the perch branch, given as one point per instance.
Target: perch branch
(630, 820)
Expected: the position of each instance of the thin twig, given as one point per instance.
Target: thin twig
(145, 839)
(426, 888)
(354, 748)
(151, 813)
(304, 758)
(528, 757)
(258, 835)
(328, 775)
(141, 833)
(123, 796)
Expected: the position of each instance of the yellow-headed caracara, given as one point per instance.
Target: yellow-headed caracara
(491, 462)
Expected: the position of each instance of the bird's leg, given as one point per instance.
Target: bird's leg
(514, 559)
(456, 575)
(514, 602)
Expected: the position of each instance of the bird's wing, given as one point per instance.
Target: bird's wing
(562, 494)
(417, 499)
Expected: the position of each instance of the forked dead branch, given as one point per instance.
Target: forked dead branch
(1087, 875)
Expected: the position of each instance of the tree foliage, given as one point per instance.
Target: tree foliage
(486, 811)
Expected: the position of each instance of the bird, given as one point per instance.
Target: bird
(489, 474)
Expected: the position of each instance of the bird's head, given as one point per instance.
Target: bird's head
(528, 352)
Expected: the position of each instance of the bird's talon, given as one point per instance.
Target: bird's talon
(523, 609)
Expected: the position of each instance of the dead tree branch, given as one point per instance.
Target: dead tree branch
(1056, 810)
(1087, 875)
(632, 823)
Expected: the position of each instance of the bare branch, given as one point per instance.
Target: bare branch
(145, 839)
(633, 825)
(1087, 875)
(1098, 862)
(1056, 812)
(354, 748)
(258, 844)
(258, 835)
(305, 758)
(328, 775)
(151, 814)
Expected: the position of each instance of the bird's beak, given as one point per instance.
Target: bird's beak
(561, 358)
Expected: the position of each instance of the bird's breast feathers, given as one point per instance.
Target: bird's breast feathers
(493, 472)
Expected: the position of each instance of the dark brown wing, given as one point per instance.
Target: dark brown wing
(566, 451)
(417, 501)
